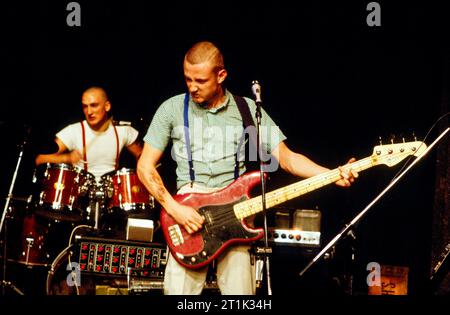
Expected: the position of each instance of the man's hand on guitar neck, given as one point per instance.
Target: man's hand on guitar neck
(186, 216)
(347, 176)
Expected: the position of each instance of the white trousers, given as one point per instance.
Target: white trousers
(235, 273)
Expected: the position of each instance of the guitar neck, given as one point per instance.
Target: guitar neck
(254, 205)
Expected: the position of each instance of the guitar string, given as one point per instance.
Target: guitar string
(360, 165)
(311, 182)
(224, 215)
(257, 202)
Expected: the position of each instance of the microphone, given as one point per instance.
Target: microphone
(256, 89)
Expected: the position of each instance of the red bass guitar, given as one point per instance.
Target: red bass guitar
(225, 211)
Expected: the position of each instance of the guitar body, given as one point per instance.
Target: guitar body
(221, 228)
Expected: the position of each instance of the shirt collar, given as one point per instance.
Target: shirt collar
(221, 106)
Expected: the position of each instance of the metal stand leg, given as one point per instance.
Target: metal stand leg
(7, 284)
(261, 260)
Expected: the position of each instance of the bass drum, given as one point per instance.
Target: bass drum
(41, 239)
(16, 213)
(65, 278)
(33, 248)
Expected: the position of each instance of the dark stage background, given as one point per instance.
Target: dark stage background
(332, 83)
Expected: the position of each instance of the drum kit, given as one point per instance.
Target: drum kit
(66, 197)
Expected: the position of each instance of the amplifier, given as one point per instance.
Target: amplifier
(120, 257)
(301, 227)
(294, 237)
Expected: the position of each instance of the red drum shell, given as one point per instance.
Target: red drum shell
(62, 189)
(128, 192)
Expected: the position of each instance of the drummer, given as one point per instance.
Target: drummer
(95, 143)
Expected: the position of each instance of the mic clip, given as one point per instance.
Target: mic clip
(121, 123)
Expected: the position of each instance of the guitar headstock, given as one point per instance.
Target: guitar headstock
(392, 154)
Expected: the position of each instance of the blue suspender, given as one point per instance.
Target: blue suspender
(187, 138)
(188, 143)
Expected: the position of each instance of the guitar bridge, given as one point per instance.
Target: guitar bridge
(175, 235)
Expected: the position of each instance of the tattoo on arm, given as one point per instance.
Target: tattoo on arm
(157, 185)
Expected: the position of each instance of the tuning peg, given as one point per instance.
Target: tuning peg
(414, 136)
(392, 139)
(381, 142)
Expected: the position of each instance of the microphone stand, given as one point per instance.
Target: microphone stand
(266, 250)
(355, 220)
(5, 210)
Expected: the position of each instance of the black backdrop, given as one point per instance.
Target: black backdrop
(331, 82)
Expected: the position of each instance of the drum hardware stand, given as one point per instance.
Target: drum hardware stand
(97, 214)
(6, 283)
(30, 242)
(256, 89)
(96, 198)
(348, 227)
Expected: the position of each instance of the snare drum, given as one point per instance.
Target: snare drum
(62, 188)
(126, 192)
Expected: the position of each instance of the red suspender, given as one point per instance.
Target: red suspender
(84, 147)
(117, 147)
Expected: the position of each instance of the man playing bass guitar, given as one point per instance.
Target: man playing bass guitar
(205, 126)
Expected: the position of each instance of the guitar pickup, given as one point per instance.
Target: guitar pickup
(175, 235)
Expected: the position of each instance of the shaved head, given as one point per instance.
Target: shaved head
(97, 90)
(205, 52)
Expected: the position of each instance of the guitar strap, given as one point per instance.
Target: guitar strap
(247, 121)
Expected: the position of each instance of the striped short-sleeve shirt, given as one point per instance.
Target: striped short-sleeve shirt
(214, 136)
